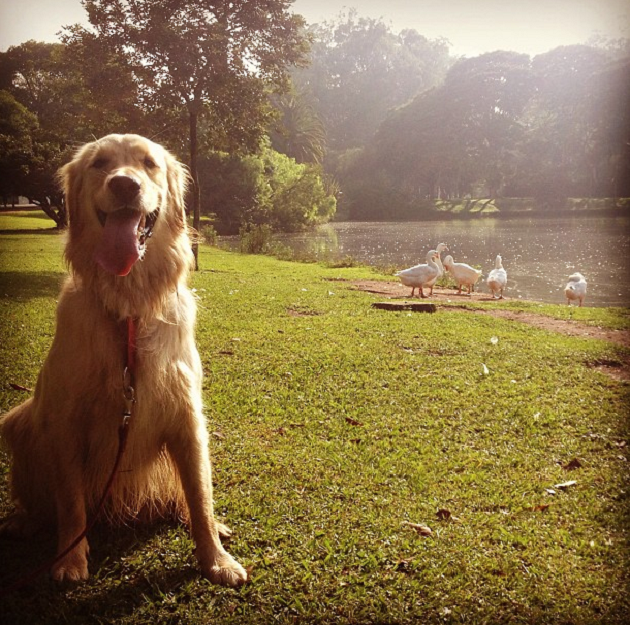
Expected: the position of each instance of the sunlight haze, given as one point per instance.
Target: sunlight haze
(471, 27)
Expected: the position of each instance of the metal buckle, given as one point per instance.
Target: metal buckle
(129, 394)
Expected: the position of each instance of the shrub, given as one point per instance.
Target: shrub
(255, 238)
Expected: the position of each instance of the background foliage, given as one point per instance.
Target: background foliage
(378, 122)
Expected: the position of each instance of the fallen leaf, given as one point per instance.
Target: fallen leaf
(565, 485)
(443, 514)
(353, 422)
(574, 464)
(403, 565)
(423, 530)
(551, 491)
(218, 434)
(541, 507)
(485, 369)
(18, 387)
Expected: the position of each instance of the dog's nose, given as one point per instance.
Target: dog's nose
(124, 188)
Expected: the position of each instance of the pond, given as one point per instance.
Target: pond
(538, 254)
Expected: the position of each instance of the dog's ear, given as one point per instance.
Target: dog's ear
(70, 177)
(177, 179)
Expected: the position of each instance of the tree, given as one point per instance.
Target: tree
(17, 125)
(299, 132)
(216, 57)
(454, 137)
(574, 121)
(73, 95)
(360, 69)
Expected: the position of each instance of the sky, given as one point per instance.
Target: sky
(471, 26)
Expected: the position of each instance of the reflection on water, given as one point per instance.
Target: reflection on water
(538, 254)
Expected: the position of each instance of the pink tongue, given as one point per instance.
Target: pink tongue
(118, 249)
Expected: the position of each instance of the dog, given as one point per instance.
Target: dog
(129, 254)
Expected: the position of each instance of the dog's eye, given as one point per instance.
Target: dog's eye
(149, 163)
(99, 163)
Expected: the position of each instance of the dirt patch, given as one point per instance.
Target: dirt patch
(397, 290)
(570, 328)
(616, 369)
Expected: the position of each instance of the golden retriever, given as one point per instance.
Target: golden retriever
(130, 255)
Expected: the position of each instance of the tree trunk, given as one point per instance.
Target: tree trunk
(59, 216)
(196, 197)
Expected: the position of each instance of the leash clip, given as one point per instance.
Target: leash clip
(129, 395)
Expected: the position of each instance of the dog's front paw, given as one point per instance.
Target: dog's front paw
(71, 568)
(225, 570)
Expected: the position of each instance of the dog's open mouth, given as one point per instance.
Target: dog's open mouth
(124, 237)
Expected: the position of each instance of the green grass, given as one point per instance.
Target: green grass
(333, 426)
(25, 220)
(612, 318)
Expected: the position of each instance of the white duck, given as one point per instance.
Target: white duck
(575, 288)
(420, 275)
(441, 247)
(497, 278)
(462, 273)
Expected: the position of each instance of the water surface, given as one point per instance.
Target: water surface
(538, 254)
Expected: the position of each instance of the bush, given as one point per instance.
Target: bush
(269, 188)
(255, 238)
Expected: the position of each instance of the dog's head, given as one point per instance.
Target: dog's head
(120, 191)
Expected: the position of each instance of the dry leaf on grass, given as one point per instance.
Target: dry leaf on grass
(423, 530)
(541, 507)
(403, 565)
(19, 387)
(443, 514)
(446, 515)
(565, 485)
(571, 466)
(353, 422)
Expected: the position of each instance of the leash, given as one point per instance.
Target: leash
(123, 432)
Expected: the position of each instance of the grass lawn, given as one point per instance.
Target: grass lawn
(338, 433)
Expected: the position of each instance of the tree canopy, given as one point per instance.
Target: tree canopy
(502, 124)
(359, 69)
(71, 95)
(217, 57)
(390, 119)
